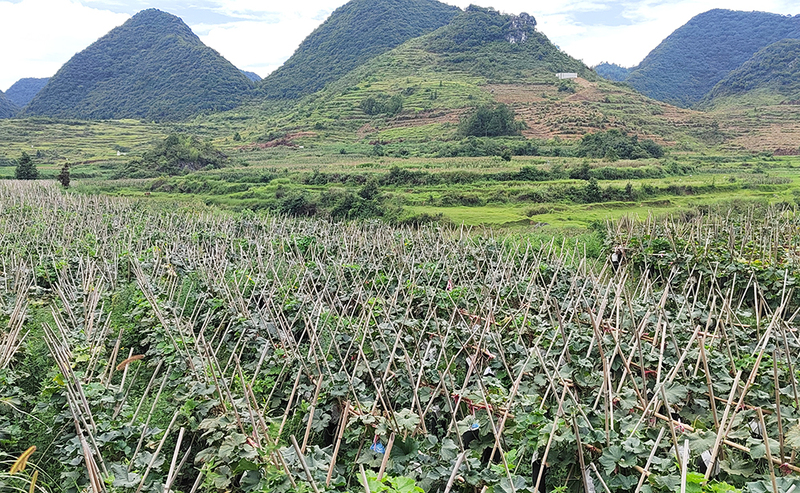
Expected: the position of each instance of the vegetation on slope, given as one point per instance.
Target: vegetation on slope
(612, 71)
(694, 58)
(252, 76)
(152, 67)
(614, 144)
(490, 121)
(485, 42)
(420, 90)
(7, 108)
(771, 76)
(26, 169)
(23, 90)
(177, 154)
(354, 33)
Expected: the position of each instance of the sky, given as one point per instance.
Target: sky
(38, 36)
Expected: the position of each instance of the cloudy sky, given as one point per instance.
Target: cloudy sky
(38, 36)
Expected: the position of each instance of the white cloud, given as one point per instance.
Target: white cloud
(256, 8)
(260, 47)
(38, 36)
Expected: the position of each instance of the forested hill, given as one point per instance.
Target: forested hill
(419, 91)
(23, 90)
(7, 108)
(252, 76)
(500, 47)
(353, 34)
(694, 58)
(152, 67)
(771, 76)
(612, 71)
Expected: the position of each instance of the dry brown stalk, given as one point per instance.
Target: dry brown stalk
(645, 471)
(344, 417)
(386, 453)
(584, 478)
(729, 443)
(769, 452)
(453, 474)
(302, 460)
(311, 409)
(549, 442)
(684, 465)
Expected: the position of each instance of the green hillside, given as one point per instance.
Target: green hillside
(252, 76)
(413, 98)
(23, 90)
(486, 43)
(152, 67)
(612, 71)
(771, 76)
(7, 108)
(694, 58)
(354, 33)
(436, 77)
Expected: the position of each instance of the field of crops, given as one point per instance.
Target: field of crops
(150, 347)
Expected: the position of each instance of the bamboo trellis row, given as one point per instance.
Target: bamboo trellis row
(369, 334)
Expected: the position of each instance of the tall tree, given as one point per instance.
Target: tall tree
(25, 169)
(63, 176)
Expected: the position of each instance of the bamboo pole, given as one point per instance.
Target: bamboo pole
(769, 453)
(342, 425)
(302, 460)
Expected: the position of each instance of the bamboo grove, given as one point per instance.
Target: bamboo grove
(154, 348)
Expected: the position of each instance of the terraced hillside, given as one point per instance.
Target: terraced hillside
(769, 128)
(482, 57)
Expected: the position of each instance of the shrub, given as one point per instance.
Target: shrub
(383, 104)
(175, 155)
(26, 170)
(490, 121)
(615, 144)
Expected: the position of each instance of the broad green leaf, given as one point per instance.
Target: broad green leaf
(231, 443)
(373, 483)
(407, 420)
(765, 485)
(449, 450)
(505, 485)
(793, 436)
(676, 393)
(123, 478)
(615, 455)
(701, 440)
(404, 485)
(738, 467)
(759, 450)
(694, 482)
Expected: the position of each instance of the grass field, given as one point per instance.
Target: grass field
(480, 198)
(326, 169)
